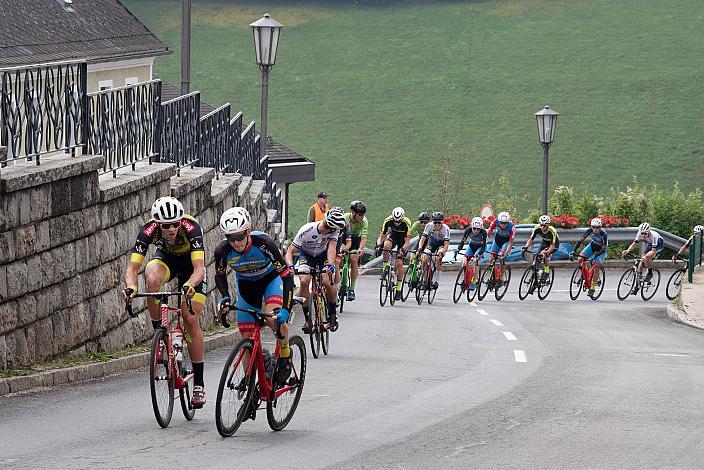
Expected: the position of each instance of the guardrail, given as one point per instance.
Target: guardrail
(696, 255)
(179, 130)
(213, 146)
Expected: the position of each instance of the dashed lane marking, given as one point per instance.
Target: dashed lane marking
(496, 322)
(519, 356)
(482, 312)
(509, 336)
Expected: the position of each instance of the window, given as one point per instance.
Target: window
(131, 81)
(104, 85)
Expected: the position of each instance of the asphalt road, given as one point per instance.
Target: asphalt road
(605, 384)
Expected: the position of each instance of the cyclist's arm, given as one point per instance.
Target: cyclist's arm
(406, 241)
(292, 250)
(332, 252)
(555, 240)
(362, 244)
(221, 269)
(631, 247)
(422, 242)
(141, 244)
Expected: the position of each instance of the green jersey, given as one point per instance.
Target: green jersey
(416, 229)
(358, 229)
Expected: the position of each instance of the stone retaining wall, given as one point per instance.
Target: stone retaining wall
(65, 237)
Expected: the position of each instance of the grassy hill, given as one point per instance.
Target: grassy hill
(374, 94)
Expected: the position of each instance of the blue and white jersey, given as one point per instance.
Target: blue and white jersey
(310, 241)
(261, 259)
(598, 240)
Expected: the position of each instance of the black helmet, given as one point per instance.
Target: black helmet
(424, 216)
(358, 207)
(437, 217)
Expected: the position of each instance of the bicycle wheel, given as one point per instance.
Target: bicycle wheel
(673, 284)
(383, 290)
(235, 390)
(598, 280)
(324, 330)
(501, 291)
(648, 289)
(341, 295)
(459, 285)
(161, 378)
(485, 282)
(314, 335)
(527, 281)
(422, 284)
(391, 286)
(472, 293)
(576, 283)
(431, 291)
(280, 411)
(626, 284)
(544, 287)
(185, 393)
(407, 284)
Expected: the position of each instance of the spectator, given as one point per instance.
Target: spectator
(317, 211)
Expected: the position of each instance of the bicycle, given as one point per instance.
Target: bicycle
(632, 281)
(345, 273)
(410, 277)
(425, 282)
(387, 286)
(673, 284)
(169, 364)
(491, 279)
(591, 279)
(469, 274)
(319, 326)
(245, 383)
(533, 278)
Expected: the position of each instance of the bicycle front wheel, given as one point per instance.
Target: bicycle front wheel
(485, 282)
(431, 290)
(422, 284)
(598, 281)
(527, 280)
(501, 291)
(391, 286)
(648, 289)
(280, 411)
(472, 293)
(185, 393)
(576, 283)
(406, 285)
(161, 378)
(383, 289)
(324, 328)
(314, 335)
(459, 285)
(544, 287)
(626, 284)
(673, 284)
(235, 390)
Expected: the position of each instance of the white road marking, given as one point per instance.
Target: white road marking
(509, 336)
(496, 322)
(519, 356)
(567, 290)
(482, 312)
(671, 354)
(473, 304)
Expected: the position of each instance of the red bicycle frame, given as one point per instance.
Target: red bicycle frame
(588, 273)
(179, 382)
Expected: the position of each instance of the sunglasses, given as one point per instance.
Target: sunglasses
(437, 223)
(170, 225)
(544, 225)
(236, 237)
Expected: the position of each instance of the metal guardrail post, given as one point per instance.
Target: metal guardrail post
(83, 99)
(696, 255)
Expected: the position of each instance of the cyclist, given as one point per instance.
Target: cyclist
(597, 246)
(697, 230)
(317, 244)
(395, 233)
(179, 254)
(549, 242)
(503, 240)
(419, 225)
(344, 243)
(359, 228)
(654, 244)
(264, 281)
(476, 234)
(435, 238)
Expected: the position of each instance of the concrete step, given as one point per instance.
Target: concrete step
(256, 190)
(243, 188)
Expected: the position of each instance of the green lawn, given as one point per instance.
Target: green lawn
(374, 94)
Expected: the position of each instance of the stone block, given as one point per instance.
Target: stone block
(61, 324)
(9, 211)
(61, 197)
(80, 321)
(44, 331)
(66, 228)
(3, 355)
(4, 387)
(3, 283)
(25, 203)
(17, 348)
(83, 263)
(26, 310)
(34, 273)
(60, 377)
(117, 338)
(43, 231)
(7, 247)
(21, 383)
(30, 336)
(50, 300)
(17, 278)
(40, 201)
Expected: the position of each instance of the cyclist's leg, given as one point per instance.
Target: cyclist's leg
(354, 261)
(399, 268)
(329, 288)
(273, 299)
(304, 265)
(504, 249)
(338, 262)
(157, 272)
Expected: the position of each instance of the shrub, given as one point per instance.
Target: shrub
(562, 201)
(565, 221)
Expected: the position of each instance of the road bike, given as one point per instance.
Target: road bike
(410, 277)
(345, 273)
(387, 286)
(590, 278)
(467, 279)
(320, 326)
(169, 363)
(492, 280)
(534, 278)
(673, 284)
(425, 281)
(245, 383)
(632, 281)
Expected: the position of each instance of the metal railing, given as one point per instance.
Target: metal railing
(123, 124)
(696, 255)
(180, 130)
(247, 149)
(42, 109)
(213, 145)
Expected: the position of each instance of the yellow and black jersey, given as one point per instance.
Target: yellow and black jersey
(397, 231)
(549, 238)
(189, 240)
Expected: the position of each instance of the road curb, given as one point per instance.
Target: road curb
(680, 316)
(96, 370)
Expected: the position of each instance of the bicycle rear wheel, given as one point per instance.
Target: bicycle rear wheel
(314, 329)
(235, 390)
(422, 284)
(526, 284)
(472, 293)
(544, 287)
(431, 290)
(161, 378)
(673, 284)
(391, 286)
(383, 289)
(185, 394)
(485, 281)
(626, 284)
(648, 289)
(280, 411)
(406, 285)
(459, 285)
(501, 291)
(324, 330)
(598, 280)
(576, 283)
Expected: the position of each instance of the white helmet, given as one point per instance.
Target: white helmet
(596, 222)
(504, 216)
(477, 222)
(544, 219)
(398, 213)
(698, 229)
(167, 209)
(644, 227)
(335, 218)
(235, 220)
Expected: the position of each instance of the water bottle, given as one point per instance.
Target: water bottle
(268, 363)
(177, 343)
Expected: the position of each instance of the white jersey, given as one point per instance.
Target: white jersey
(437, 236)
(653, 239)
(310, 241)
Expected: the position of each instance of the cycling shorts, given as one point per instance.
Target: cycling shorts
(254, 295)
(432, 248)
(397, 242)
(180, 267)
(472, 249)
(588, 252)
(658, 248)
(308, 262)
(356, 242)
(500, 244)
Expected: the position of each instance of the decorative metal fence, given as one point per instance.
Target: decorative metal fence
(696, 255)
(180, 130)
(213, 147)
(123, 124)
(42, 109)
(246, 154)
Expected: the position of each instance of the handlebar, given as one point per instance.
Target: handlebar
(163, 295)
(254, 313)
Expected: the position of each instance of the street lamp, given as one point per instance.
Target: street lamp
(547, 118)
(266, 40)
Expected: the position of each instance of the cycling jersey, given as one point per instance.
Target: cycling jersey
(503, 234)
(343, 237)
(189, 240)
(477, 241)
(359, 229)
(653, 239)
(437, 236)
(599, 241)
(417, 229)
(310, 241)
(398, 232)
(549, 238)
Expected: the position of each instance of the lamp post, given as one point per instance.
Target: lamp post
(185, 47)
(547, 118)
(266, 40)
